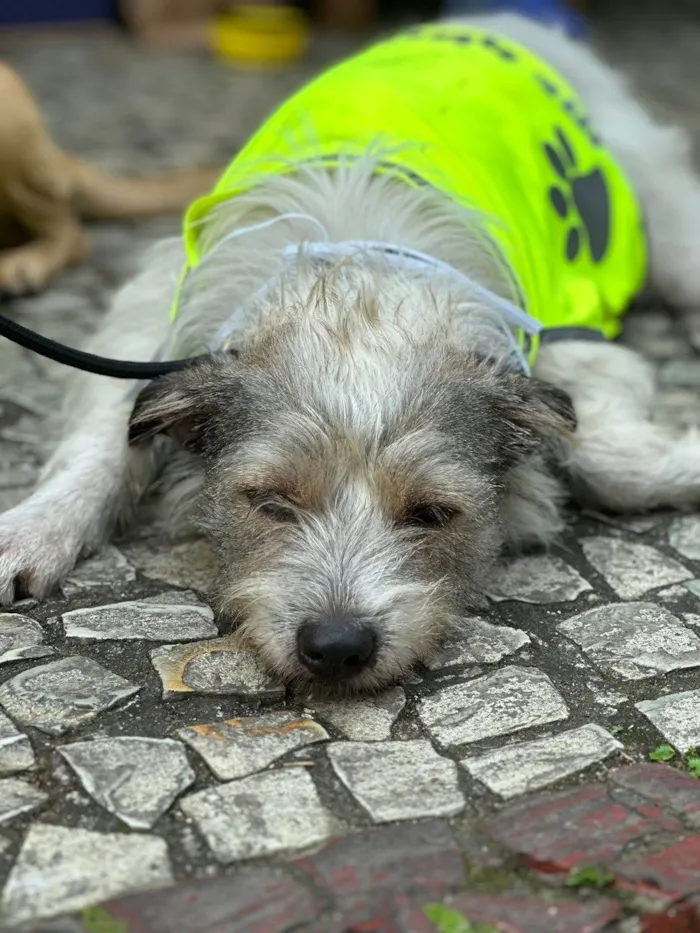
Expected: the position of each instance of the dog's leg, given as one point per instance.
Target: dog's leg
(621, 460)
(93, 475)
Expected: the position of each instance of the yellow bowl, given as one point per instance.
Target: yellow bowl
(261, 35)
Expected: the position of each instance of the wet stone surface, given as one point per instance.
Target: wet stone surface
(108, 568)
(478, 642)
(524, 737)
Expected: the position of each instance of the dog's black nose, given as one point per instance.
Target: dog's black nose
(336, 648)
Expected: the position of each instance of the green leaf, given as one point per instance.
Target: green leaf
(449, 921)
(98, 920)
(693, 763)
(589, 876)
(662, 753)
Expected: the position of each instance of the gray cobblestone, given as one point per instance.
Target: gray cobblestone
(219, 666)
(676, 716)
(267, 814)
(18, 796)
(60, 870)
(631, 568)
(21, 638)
(134, 777)
(16, 752)
(634, 640)
(368, 719)
(56, 697)
(512, 699)
(398, 780)
(529, 766)
(537, 579)
(239, 747)
(141, 620)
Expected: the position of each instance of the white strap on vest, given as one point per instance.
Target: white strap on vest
(511, 316)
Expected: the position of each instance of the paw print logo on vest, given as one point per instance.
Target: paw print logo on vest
(574, 108)
(580, 200)
(495, 45)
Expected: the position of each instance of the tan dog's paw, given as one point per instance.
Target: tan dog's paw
(23, 272)
(30, 268)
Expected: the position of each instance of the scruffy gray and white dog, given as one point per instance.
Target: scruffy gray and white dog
(374, 443)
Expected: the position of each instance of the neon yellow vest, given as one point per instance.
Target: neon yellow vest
(483, 120)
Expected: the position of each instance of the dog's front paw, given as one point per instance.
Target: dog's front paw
(36, 553)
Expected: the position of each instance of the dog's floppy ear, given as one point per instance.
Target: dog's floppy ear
(534, 416)
(184, 403)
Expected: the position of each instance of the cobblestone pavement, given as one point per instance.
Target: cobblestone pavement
(508, 778)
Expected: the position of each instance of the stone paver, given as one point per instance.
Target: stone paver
(16, 752)
(398, 780)
(21, 639)
(56, 697)
(190, 565)
(134, 777)
(60, 869)
(239, 747)
(478, 642)
(528, 766)
(18, 796)
(141, 620)
(539, 579)
(631, 568)
(219, 666)
(363, 719)
(108, 568)
(267, 814)
(514, 698)
(676, 716)
(684, 536)
(634, 640)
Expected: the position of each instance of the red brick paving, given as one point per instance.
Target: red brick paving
(554, 833)
(640, 829)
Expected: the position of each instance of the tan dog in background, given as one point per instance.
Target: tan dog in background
(45, 194)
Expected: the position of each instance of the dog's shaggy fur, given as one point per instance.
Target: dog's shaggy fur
(45, 193)
(369, 450)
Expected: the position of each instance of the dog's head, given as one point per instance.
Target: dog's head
(354, 480)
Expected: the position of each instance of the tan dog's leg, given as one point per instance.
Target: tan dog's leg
(35, 191)
(44, 192)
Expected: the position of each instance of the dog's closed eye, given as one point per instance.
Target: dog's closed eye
(429, 515)
(272, 505)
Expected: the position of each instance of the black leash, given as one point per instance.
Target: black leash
(88, 362)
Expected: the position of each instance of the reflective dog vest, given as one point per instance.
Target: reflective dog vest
(489, 124)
